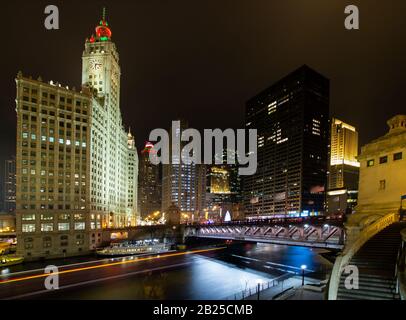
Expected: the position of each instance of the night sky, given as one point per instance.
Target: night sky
(203, 59)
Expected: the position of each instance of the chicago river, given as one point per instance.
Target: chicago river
(209, 273)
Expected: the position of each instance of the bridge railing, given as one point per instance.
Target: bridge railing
(349, 251)
(279, 221)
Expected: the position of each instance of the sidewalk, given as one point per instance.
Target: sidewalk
(296, 282)
(302, 294)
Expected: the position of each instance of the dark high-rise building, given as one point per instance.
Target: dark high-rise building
(292, 119)
(149, 184)
(10, 185)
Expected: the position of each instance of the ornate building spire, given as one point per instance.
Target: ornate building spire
(103, 32)
(104, 14)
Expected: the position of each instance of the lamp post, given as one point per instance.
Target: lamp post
(259, 281)
(303, 267)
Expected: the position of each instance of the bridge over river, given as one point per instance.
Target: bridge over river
(316, 232)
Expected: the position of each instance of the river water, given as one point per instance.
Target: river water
(217, 276)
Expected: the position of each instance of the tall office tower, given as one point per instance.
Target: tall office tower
(184, 185)
(10, 185)
(101, 71)
(233, 178)
(291, 118)
(223, 189)
(149, 184)
(343, 168)
(218, 179)
(218, 195)
(133, 214)
(75, 161)
(53, 136)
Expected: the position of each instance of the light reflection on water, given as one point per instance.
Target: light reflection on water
(217, 277)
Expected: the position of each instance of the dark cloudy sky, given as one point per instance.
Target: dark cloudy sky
(202, 59)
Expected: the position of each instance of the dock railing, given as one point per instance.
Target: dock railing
(243, 294)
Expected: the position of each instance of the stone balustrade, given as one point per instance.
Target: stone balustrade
(350, 249)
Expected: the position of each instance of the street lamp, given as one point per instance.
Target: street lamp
(259, 281)
(303, 267)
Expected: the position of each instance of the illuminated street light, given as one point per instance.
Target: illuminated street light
(303, 267)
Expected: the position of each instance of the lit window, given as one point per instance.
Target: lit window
(28, 217)
(79, 226)
(28, 227)
(370, 163)
(47, 227)
(64, 216)
(63, 226)
(47, 216)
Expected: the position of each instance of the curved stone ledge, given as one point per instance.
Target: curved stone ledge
(349, 250)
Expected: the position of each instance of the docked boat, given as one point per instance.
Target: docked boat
(128, 249)
(10, 260)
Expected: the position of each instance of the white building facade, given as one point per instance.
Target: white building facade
(77, 168)
(382, 181)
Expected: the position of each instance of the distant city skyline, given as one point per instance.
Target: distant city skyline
(166, 64)
(208, 150)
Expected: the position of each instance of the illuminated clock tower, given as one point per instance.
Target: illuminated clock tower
(109, 146)
(100, 67)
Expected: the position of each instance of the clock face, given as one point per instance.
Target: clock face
(95, 64)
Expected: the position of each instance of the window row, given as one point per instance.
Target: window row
(50, 216)
(49, 227)
(47, 241)
(384, 159)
